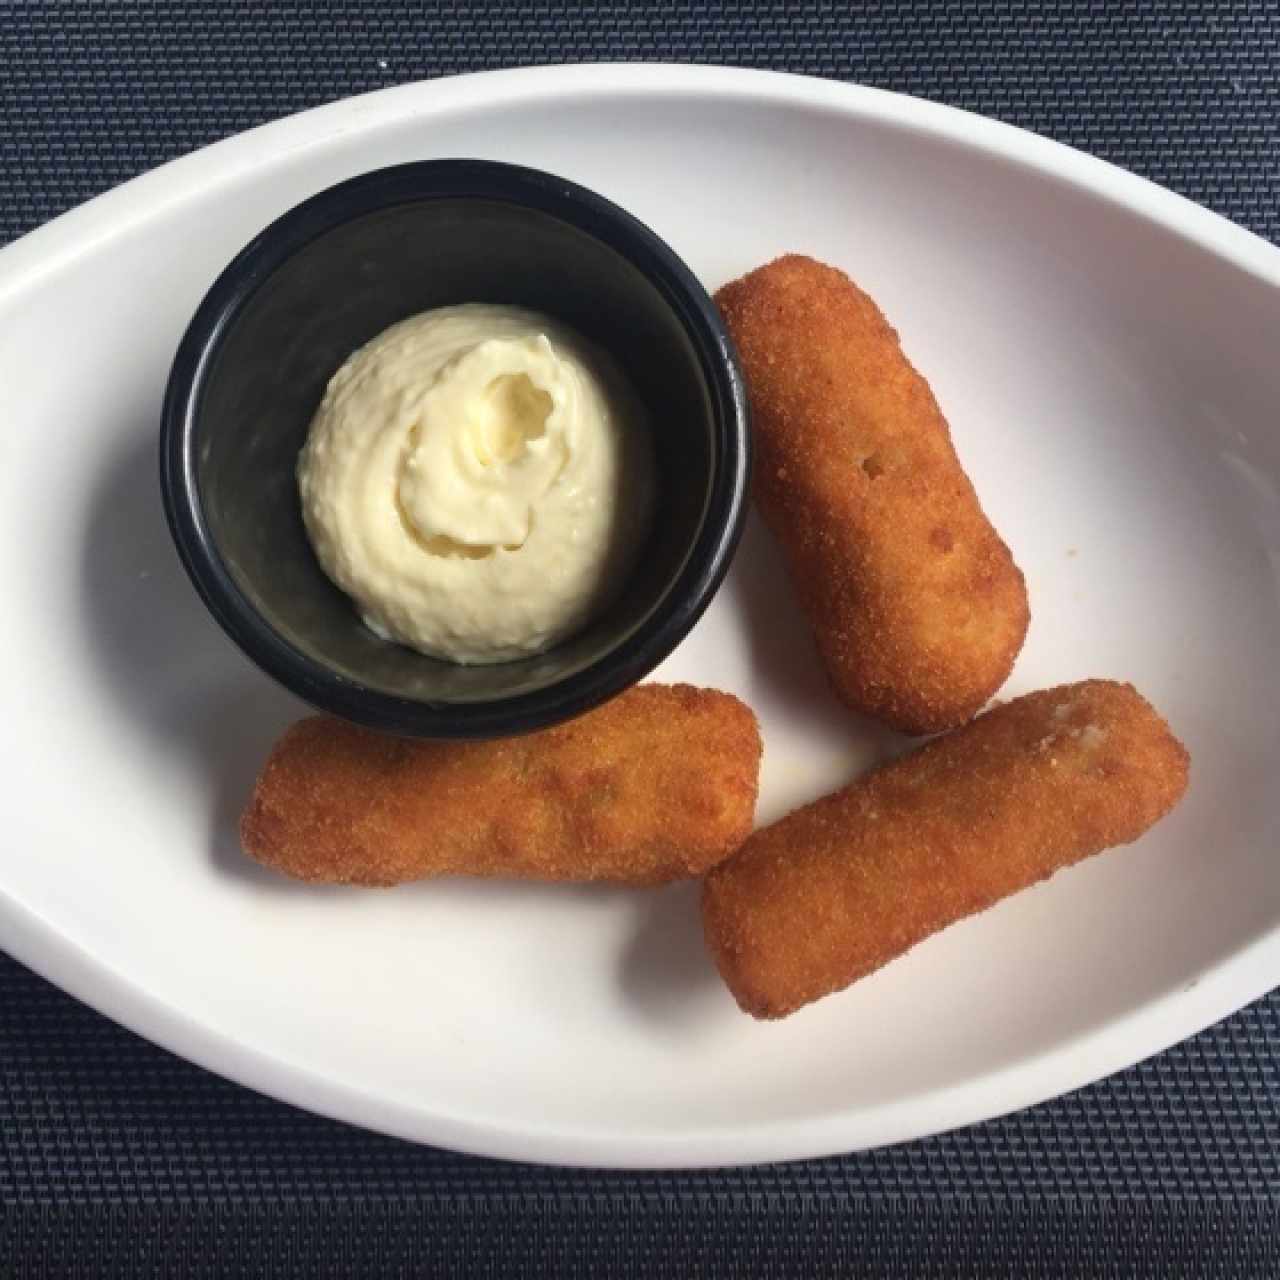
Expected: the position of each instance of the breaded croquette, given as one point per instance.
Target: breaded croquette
(916, 604)
(838, 888)
(658, 784)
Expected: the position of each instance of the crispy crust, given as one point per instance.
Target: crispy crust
(657, 784)
(916, 604)
(837, 889)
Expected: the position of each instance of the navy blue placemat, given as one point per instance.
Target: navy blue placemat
(117, 1157)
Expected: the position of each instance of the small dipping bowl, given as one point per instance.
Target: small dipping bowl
(336, 271)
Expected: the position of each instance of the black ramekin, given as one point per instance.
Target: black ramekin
(331, 274)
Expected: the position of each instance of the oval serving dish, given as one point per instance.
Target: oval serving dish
(1104, 351)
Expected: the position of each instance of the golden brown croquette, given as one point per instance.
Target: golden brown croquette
(657, 784)
(916, 604)
(838, 888)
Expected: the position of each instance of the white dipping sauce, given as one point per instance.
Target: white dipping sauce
(479, 480)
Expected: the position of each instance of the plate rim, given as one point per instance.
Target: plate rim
(1241, 977)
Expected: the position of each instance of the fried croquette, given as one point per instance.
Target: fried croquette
(838, 888)
(658, 784)
(916, 604)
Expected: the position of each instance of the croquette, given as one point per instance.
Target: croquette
(657, 784)
(839, 888)
(916, 604)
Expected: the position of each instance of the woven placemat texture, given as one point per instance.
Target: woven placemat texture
(1185, 94)
(115, 1156)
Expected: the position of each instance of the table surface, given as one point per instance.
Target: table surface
(116, 1156)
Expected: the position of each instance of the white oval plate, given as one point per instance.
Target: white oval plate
(1106, 353)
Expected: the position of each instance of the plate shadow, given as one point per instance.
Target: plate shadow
(175, 677)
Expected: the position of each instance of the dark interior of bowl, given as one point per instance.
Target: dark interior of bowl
(270, 370)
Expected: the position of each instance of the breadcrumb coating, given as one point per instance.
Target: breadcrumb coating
(658, 784)
(915, 602)
(836, 889)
